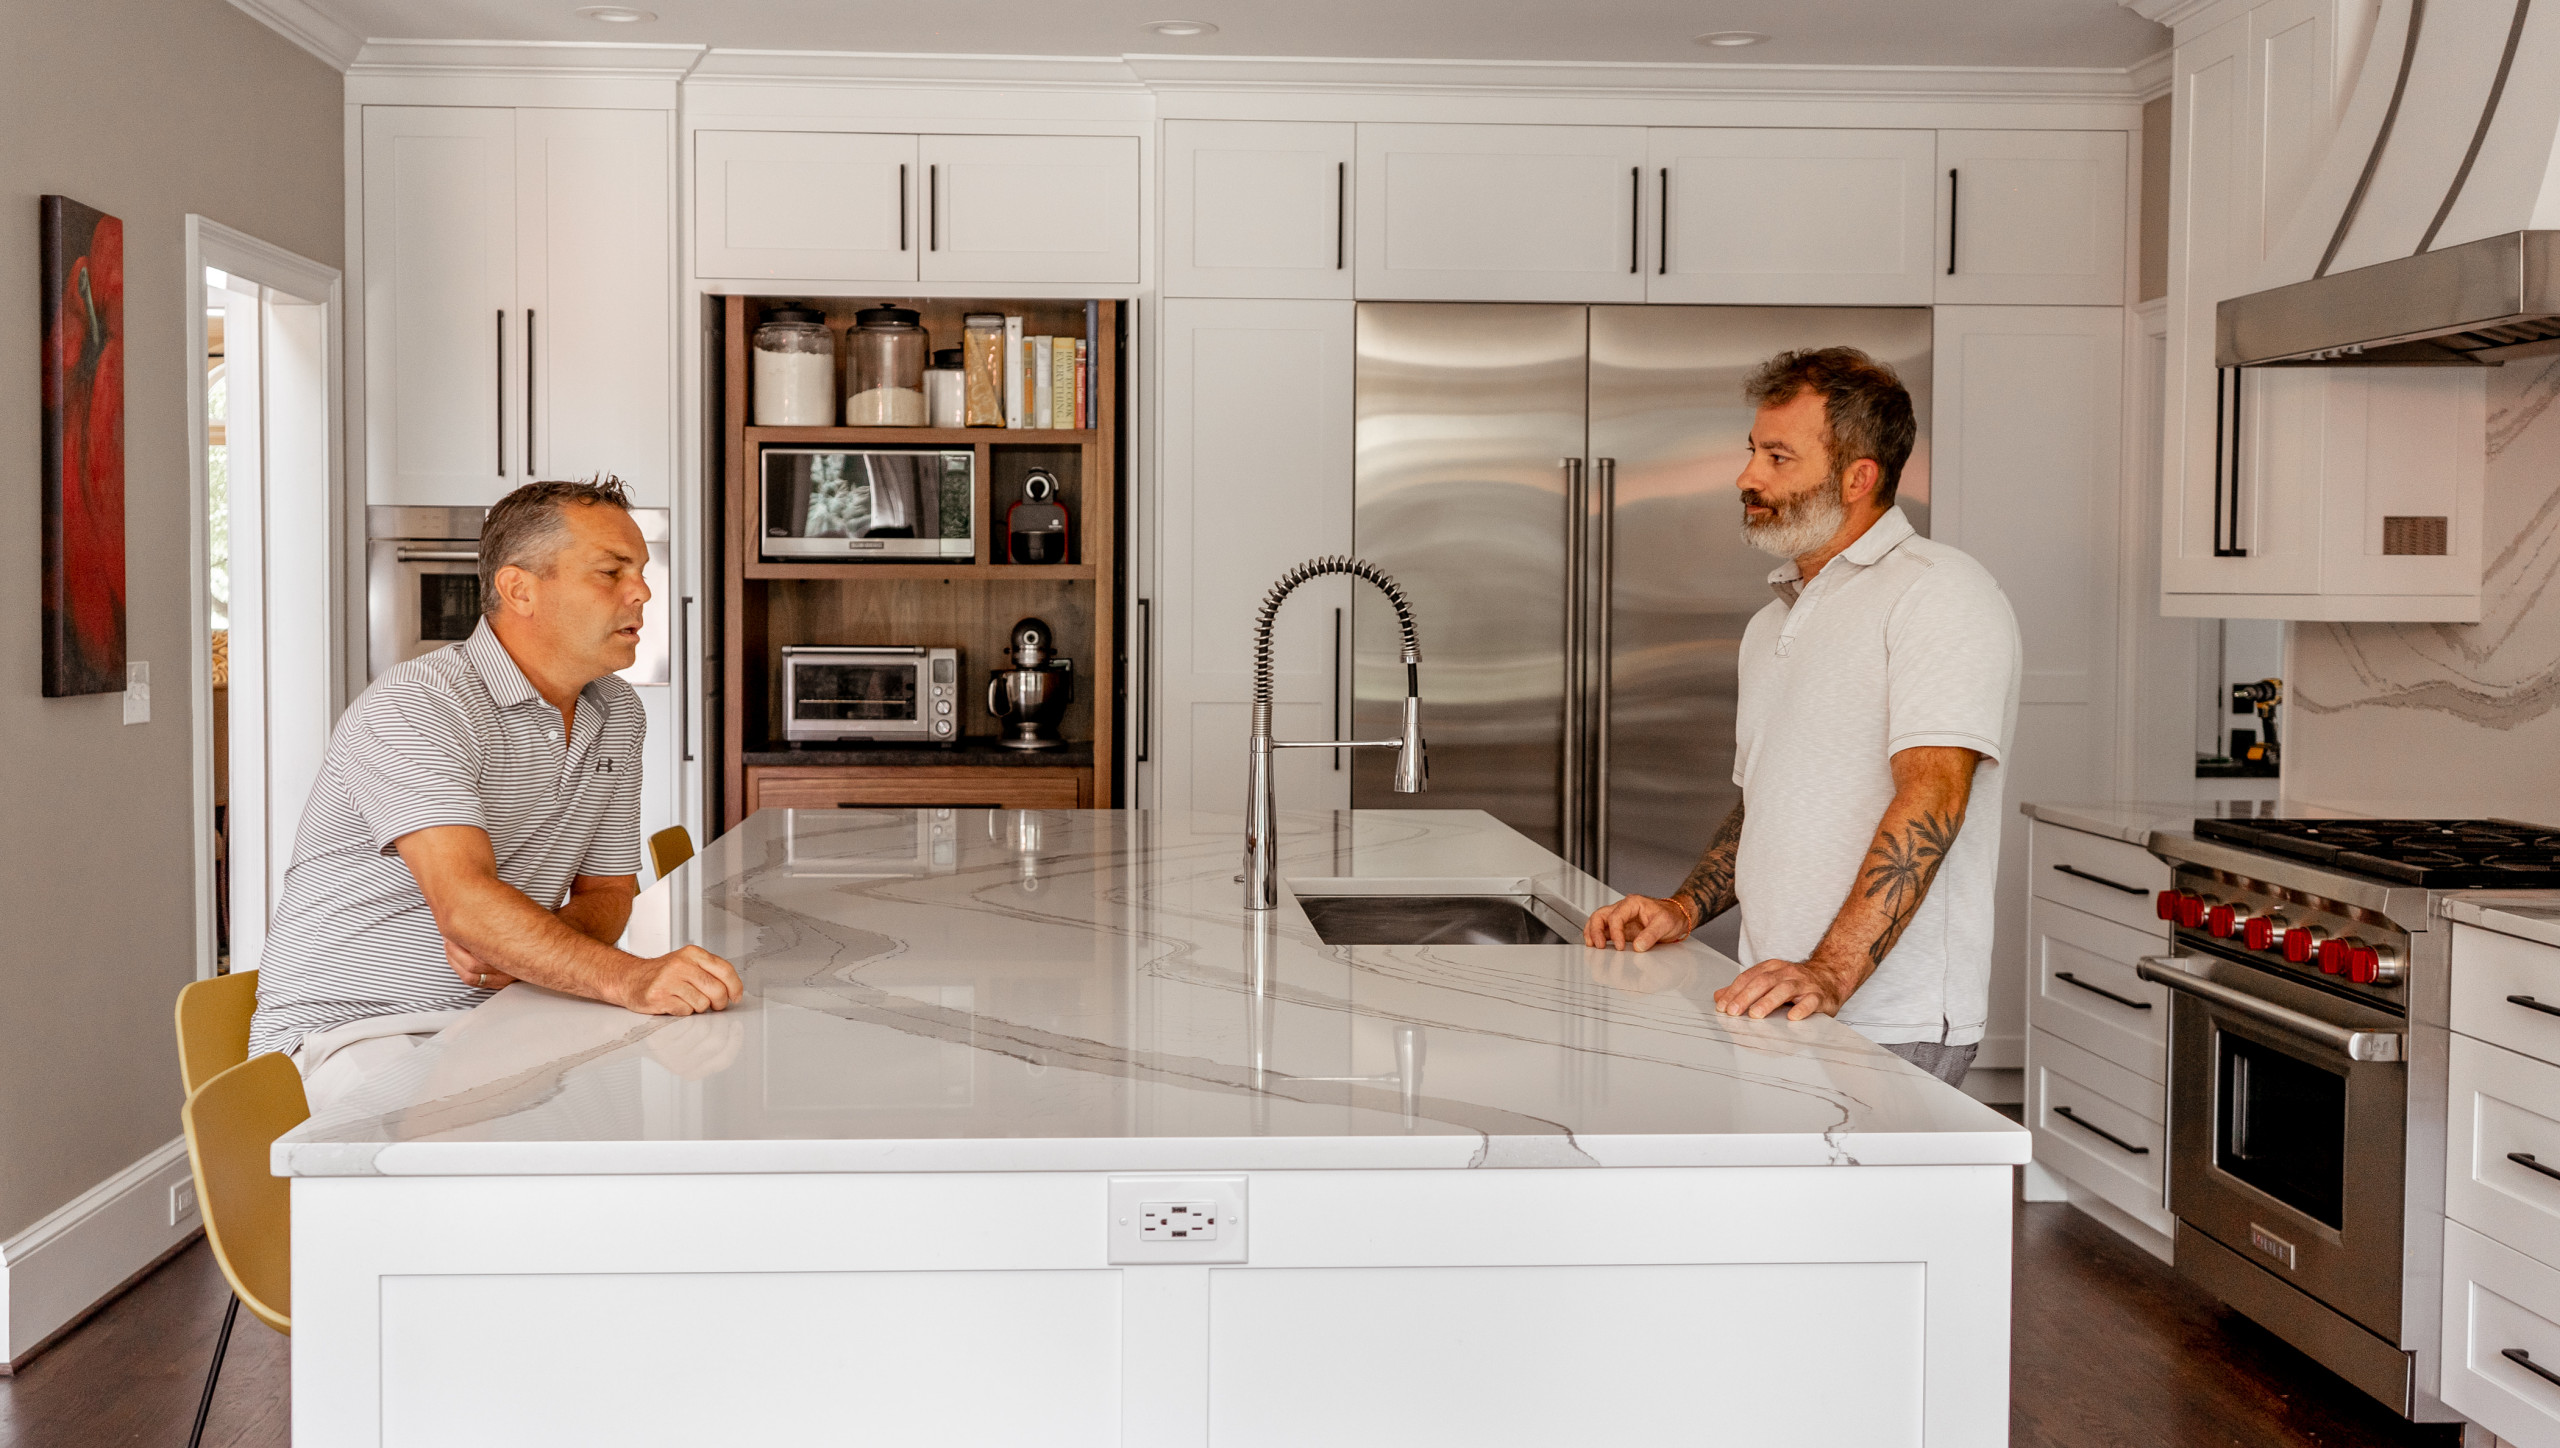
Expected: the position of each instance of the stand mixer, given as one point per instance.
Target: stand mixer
(1033, 695)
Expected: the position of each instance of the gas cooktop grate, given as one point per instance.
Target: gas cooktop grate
(2434, 854)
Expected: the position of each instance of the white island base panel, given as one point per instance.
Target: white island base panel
(1747, 1305)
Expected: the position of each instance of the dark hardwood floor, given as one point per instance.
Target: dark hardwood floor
(2111, 1350)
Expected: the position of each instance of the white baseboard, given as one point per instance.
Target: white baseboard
(55, 1271)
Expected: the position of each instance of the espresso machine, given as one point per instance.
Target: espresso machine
(1031, 696)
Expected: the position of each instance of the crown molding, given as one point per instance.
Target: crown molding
(303, 24)
(2171, 13)
(1623, 79)
(2152, 78)
(522, 59)
(919, 71)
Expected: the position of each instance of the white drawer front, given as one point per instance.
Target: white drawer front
(2076, 1102)
(2084, 988)
(2502, 1156)
(2490, 972)
(2108, 878)
(2497, 1301)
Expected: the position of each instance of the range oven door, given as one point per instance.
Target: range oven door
(2288, 1123)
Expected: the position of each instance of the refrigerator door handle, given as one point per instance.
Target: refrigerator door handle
(1577, 508)
(1603, 605)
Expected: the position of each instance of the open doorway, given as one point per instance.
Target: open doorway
(270, 563)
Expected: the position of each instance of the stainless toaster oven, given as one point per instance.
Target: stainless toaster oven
(874, 695)
(861, 503)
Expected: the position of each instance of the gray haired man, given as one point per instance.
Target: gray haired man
(477, 817)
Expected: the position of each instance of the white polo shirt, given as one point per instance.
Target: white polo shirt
(1897, 643)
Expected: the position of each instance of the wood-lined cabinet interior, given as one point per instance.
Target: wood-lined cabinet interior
(770, 604)
(518, 301)
(895, 207)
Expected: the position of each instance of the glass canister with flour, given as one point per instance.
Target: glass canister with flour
(794, 369)
(884, 369)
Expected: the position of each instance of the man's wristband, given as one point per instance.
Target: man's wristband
(1687, 911)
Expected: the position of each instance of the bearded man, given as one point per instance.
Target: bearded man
(1879, 694)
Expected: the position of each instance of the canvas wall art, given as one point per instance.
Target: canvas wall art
(83, 322)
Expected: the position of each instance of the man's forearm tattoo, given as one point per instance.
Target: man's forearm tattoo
(1899, 868)
(1708, 892)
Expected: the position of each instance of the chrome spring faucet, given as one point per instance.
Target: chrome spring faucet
(1413, 772)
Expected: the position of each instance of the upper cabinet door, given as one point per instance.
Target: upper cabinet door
(1501, 213)
(1810, 218)
(595, 279)
(806, 205)
(440, 337)
(1031, 209)
(1257, 209)
(2032, 217)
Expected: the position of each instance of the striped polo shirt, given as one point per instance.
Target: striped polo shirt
(456, 737)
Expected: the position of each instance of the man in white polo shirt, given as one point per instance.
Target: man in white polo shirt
(1878, 696)
(477, 816)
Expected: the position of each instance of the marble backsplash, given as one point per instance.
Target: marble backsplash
(2452, 719)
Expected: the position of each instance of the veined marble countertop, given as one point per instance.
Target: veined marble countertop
(2133, 821)
(993, 990)
(2526, 914)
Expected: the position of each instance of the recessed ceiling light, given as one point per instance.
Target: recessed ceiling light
(1730, 39)
(615, 14)
(1180, 29)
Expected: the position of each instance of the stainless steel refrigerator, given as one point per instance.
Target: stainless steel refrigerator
(1554, 485)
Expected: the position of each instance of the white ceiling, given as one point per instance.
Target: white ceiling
(1802, 32)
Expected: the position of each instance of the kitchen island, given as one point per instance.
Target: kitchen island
(1028, 1132)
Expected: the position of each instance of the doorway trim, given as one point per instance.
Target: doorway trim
(211, 244)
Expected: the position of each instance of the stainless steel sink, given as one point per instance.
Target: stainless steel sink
(1432, 920)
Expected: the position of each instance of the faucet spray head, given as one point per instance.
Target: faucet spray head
(1413, 768)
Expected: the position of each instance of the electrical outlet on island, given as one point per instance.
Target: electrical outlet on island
(1176, 1220)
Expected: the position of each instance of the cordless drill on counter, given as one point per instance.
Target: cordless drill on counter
(2262, 696)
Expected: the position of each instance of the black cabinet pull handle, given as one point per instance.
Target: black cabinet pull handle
(1341, 213)
(528, 394)
(2525, 1159)
(2226, 464)
(1337, 686)
(1635, 220)
(2101, 880)
(2529, 1003)
(2524, 1360)
(902, 206)
(933, 207)
(499, 417)
(1662, 260)
(1951, 221)
(2102, 990)
(2066, 1114)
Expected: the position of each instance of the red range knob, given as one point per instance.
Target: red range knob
(2333, 957)
(2258, 933)
(2364, 965)
(2167, 904)
(2190, 910)
(2297, 944)
(2223, 921)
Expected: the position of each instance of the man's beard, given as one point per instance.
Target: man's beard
(1802, 525)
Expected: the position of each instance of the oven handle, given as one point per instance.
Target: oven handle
(2373, 1046)
(437, 555)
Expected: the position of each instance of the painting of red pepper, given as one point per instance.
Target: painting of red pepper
(83, 282)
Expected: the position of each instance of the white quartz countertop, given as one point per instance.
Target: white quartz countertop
(988, 990)
(2526, 914)
(2132, 821)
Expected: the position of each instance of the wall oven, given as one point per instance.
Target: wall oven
(422, 586)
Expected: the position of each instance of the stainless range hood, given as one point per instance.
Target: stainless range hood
(2476, 304)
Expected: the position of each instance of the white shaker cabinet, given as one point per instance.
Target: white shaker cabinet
(837, 205)
(2031, 217)
(1255, 476)
(1257, 209)
(1030, 209)
(1790, 217)
(1500, 213)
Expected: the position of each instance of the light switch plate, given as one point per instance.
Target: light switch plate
(1220, 1197)
(137, 692)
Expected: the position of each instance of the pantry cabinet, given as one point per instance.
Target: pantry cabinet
(1254, 475)
(890, 207)
(1500, 213)
(518, 301)
(2031, 218)
(1793, 217)
(1257, 208)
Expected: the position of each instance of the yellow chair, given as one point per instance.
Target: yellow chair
(231, 1121)
(213, 1026)
(669, 848)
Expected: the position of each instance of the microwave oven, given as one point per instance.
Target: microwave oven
(862, 503)
(873, 695)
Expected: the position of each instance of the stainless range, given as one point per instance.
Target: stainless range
(2307, 1073)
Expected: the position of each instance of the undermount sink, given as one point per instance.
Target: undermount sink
(1431, 920)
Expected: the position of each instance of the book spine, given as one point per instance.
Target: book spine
(1044, 403)
(1084, 399)
(1091, 349)
(1013, 399)
(1062, 384)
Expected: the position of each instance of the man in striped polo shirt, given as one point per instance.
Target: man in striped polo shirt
(477, 818)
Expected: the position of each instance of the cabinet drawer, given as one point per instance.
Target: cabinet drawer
(2502, 1106)
(918, 786)
(2084, 988)
(2098, 1124)
(2489, 969)
(2498, 1301)
(2108, 878)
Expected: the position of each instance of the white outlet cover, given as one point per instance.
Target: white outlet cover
(182, 1203)
(1132, 1196)
(137, 692)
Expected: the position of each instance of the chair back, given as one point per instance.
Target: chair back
(231, 1122)
(213, 1026)
(669, 848)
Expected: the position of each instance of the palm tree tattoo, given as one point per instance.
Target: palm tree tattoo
(1898, 871)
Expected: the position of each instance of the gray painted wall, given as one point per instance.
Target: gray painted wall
(147, 110)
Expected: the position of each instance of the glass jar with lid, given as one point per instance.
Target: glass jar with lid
(945, 393)
(884, 371)
(794, 382)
